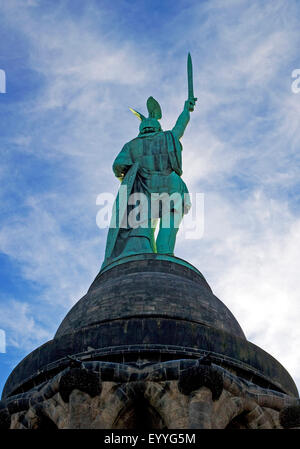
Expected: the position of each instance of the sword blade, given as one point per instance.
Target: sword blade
(190, 77)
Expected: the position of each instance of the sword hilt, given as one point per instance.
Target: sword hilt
(191, 101)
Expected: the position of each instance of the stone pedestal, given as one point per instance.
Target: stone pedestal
(149, 347)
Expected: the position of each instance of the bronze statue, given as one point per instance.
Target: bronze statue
(150, 168)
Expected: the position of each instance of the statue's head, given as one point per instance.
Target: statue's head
(150, 124)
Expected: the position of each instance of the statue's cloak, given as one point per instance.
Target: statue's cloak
(143, 165)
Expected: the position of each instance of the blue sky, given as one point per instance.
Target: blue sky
(73, 68)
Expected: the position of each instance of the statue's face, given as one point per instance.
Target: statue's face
(149, 125)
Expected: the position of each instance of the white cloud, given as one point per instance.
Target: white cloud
(48, 255)
(18, 321)
(249, 255)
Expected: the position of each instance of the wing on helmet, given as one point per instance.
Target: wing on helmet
(138, 114)
(153, 108)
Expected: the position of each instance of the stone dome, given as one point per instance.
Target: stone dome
(150, 287)
(150, 308)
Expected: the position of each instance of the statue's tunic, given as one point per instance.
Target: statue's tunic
(158, 158)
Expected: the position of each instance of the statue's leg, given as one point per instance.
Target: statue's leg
(154, 222)
(166, 238)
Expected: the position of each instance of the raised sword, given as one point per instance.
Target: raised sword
(191, 97)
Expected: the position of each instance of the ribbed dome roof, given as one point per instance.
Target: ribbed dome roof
(150, 287)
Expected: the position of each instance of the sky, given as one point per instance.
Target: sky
(73, 68)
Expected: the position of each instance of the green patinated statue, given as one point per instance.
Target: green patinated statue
(150, 168)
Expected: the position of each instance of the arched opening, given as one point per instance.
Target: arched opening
(46, 423)
(238, 422)
(139, 415)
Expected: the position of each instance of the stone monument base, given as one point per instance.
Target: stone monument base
(149, 347)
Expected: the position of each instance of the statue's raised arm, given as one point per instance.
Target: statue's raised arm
(183, 119)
